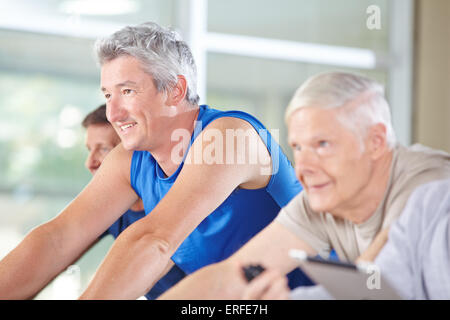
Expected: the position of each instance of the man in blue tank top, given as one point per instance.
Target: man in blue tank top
(209, 180)
(101, 138)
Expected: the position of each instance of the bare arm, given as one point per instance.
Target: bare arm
(269, 285)
(142, 251)
(271, 248)
(49, 249)
(224, 280)
(22, 275)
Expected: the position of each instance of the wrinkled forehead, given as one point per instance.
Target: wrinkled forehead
(311, 122)
(121, 70)
(314, 118)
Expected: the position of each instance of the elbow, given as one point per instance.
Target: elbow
(144, 240)
(157, 243)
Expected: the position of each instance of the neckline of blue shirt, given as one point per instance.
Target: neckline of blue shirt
(159, 172)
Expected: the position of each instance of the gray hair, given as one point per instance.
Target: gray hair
(161, 51)
(363, 97)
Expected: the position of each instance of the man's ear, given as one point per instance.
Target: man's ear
(377, 140)
(177, 92)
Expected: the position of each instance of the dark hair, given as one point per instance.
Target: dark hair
(98, 116)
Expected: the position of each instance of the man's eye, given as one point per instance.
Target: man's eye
(127, 91)
(296, 147)
(107, 95)
(323, 144)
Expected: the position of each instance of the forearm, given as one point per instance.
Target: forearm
(30, 266)
(219, 281)
(130, 269)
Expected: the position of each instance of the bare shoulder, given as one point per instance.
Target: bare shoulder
(118, 160)
(233, 129)
(224, 123)
(120, 154)
(236, 142)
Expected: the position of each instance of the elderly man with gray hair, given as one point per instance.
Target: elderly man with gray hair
(356, 178)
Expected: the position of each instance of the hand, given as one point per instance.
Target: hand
(269, 285)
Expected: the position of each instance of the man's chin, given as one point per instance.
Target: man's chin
(129, 146)
(318, 205)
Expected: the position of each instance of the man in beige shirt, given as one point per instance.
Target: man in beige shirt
(324, 230)
(356, 181)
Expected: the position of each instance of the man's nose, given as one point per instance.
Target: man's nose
(92, 162)
(305, 161)
(114, 110)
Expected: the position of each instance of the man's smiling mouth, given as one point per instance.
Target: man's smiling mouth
(127, 126)
(318, 187)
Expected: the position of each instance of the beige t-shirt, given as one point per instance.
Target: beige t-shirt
(410, 168)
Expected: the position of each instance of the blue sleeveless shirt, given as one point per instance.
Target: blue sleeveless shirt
(240, 217)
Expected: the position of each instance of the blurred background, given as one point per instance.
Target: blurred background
(251, 56)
